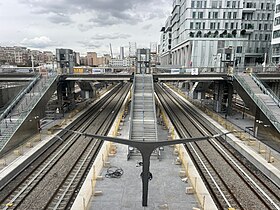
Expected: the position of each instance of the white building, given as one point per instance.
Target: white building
(276, 35)
(218, 33)
(119, 62)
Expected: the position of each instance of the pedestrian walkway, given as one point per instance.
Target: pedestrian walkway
(166, 189)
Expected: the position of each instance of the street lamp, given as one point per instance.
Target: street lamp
(146, 148)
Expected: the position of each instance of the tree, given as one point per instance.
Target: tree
(243, 32)
(234, 32)
(198, 34)
(216, 33)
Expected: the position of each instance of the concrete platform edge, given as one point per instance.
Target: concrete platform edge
(202, 194)
(83, 198)
(270, 171)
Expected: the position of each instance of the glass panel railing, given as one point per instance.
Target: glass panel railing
(266, 90)
(9, 126)
(258, 101)
(19, 97)
(132, 106)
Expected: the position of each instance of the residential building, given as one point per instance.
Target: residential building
(218, 33)
(65, 59)
(132, 49)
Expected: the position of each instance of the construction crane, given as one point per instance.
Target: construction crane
(111, 51)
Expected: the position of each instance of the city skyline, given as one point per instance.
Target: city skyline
(82, 25)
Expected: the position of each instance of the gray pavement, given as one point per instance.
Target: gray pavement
(166, 189)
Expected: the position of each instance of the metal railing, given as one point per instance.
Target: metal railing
(263, 107)
(8, 126)
(19, 97)
(266, 89)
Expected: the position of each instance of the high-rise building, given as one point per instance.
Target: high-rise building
(276, 35)
(132, 49)
(92, 59)
(65, 59)
(121, 52)
(217, 33)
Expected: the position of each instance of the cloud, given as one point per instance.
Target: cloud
(38, 42)
(90, 44)
(103, 12)
(60, 19)
(147, 27)
(110, 36)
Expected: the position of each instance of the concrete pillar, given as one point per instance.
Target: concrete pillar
(60, 93)
(230, 95)
(70, 94)
(218, 96)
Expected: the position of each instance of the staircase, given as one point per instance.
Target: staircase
(263, 98)
(143, 125)
(19, 109)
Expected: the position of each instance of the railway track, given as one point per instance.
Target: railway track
(232, 181)
(53, 180)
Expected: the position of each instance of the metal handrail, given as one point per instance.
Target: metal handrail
(258, 102)
(131, 107)
(19, 97)
(22, 116)
(266, 90)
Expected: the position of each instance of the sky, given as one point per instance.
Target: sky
(82, 25)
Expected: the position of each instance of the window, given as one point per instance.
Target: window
(226, 25)
(218, 26)
(234, 15)
(214, 4)
(197, 25)
(260, 37)
(267, 6)
(256, 36)
(220, 4)
(239, 49)
(260, 26)
(265, 27)
(234, 4)
(191, 25)
(224, 15)
(193, 15)
(228, 4)
(268, 16)
(203, 25)
(209, 15)
(231, 25)
(229, 15)
(212, 25)
(266, 37)
(192, 4)
(205, 4)
(215, 15)
(200, 15)
(261, 5)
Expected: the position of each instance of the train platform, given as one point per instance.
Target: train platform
(167, 190)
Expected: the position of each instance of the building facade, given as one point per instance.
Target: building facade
(217, 33)
(276, 35)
